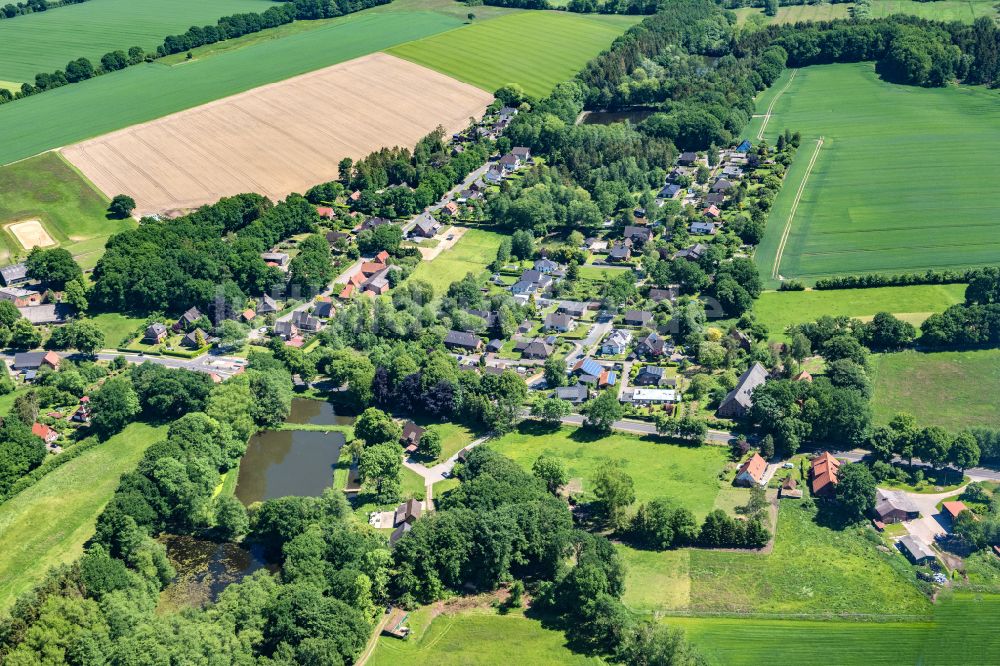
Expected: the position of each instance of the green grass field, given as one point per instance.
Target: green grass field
(940, 10)
(46, 41)
(48, 523)
(154, 90)
(477, 636)
(950, 389)
(471, 254)
(116, 327)
(686, 475)
(812, 570)
(897, 184)
(780, 309)
(47, 189)
(533, 49)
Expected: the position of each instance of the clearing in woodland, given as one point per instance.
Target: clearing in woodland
(304, 126)
(941, 10)
(535, 50)
(897, 186)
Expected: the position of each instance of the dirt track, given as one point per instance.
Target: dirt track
(276, 139)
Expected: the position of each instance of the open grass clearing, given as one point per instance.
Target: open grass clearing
(954, 390)
(813, 569)
(154, 90)
(70, 210)
(685, 475)
(475, 636)
(780, 309)
(475, 250)
(118, 329)
(895, 187)
(942, 10)
(536, 49)
(48, 523)
(46, 41)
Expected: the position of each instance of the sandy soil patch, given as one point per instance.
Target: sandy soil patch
(429, 253)
(31, 233)
(276, 139)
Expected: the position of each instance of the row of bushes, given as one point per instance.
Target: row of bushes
(35, 475)
(881, 280)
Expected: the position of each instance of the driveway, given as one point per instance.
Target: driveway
(432, 475)
(930, 523)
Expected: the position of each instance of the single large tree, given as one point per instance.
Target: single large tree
(602, 412)
(856, 490)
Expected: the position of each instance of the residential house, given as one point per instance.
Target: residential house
(463, 341)
(266, 305)
(587, 370)
(651, 375)
(687, 158)
(391, 628)
(489, 317)
(155, 334)
(651, 345)
(451, 208)
(744, 147)
(638, 235)
(546, 266)
(279, 259)
(378, 283)
(639, 318)
(693, 253)
(653, 396)
(893, 506)
(738, 402)
(195, 339)
(20, 297)
(306, 322)
(823, 474)
(704, 228)
(558, 321)
(616, 343)
(411, 436)
(187, 320)
(36, 360)
(669, 191)
(285, 329)
(535, 350)
(531, 281)
(732, 172)
(620, 253)
(325, 212)
(715, 199)
(751, 472)
(743, 341)
(493, 176)
(510, 163)
(44, 432)
(372, 222)
(576, 394)
(13, 275)
(573, 308)
(82, 413)
(916, 550)
(324, 309)
(333, 237)
(722, 185)
(408, 512)
(669, 294)
(953, 509)
(522, 153)
(712, 212)
(494, 346)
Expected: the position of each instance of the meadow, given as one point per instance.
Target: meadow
(954, 390)
(897, 184)
(941, 10)
(48, 523)
(685, 475)
(48, 189)
(155, 89)
(779, 309)
(535, 50)
(46, 41)
(476, 636)
(475, 250)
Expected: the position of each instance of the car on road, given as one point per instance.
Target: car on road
(787, 465)
(450, 237)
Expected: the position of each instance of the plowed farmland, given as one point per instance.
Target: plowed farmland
(276, 139)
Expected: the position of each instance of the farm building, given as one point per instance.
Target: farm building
(916, 550)
(823, 474)
(751, 472)
(739, 401)
(14, 274)
(895, 507)
(789, 489)
(953, 509)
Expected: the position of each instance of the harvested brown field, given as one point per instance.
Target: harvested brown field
(276, 139)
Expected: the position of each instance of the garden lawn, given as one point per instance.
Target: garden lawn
(154, 89)
(46, 188)
(118, 329)
(48, 523)
(477, 636)
(897, 185)
(470, 254)
(535, 50)
(950, 389)
(46, 41)
(812, 570)
(686, 475)
(780, 309)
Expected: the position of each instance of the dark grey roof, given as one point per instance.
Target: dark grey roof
(14, 273)
(577, 393)
(749, 380)
(49, 313)
(462, 339)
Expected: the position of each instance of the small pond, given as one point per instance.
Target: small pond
(634, 116)
(316, 412)
(279, 463)
(205, 568)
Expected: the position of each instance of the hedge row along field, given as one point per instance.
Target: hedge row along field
(898, 184)
(46, 41)
(536, 50)
(155, 90)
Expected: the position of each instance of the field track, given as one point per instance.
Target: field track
(775, 272)
(770, 107)
(280, 138)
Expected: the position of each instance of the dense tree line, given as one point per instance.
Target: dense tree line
(875, 280)
(973, 323)
(10, 10)
(581, 6)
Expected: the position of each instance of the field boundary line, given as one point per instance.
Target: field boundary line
(795, 206)
(770, 107)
